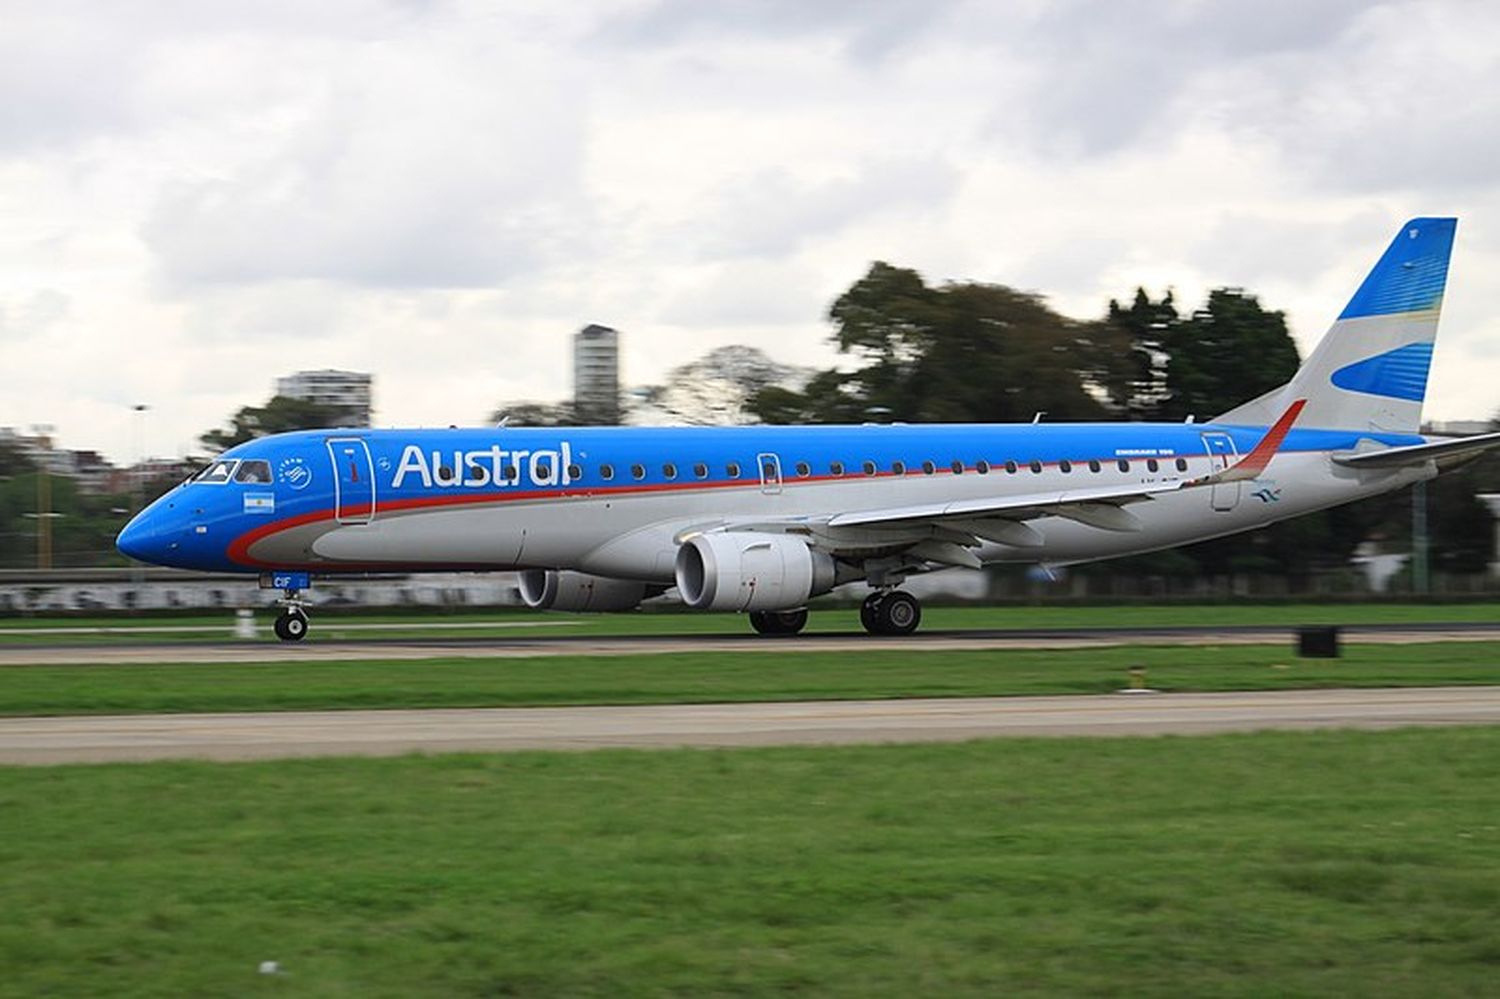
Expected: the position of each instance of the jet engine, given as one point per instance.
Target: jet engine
(564, 590)
(746, 571)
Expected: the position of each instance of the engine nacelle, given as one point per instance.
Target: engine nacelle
(564, 590)
(746, 571)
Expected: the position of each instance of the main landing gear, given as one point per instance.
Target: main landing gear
(778, 622)
(890, 612)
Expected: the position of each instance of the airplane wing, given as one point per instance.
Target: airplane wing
(1452, 451)
(1023, 507)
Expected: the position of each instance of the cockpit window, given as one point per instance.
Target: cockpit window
(218, 472)
(253, 471)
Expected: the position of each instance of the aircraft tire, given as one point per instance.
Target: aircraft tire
(291, 626)
(778, 622)
(869, 613)
(898, 614)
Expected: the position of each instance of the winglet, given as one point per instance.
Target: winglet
(1252, 464)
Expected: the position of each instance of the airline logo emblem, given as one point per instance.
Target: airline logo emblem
(492, 466)
(294, 472)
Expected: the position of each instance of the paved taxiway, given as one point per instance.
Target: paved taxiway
(381, 733)
(511, 646)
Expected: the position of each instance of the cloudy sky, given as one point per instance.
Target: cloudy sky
(196, 197)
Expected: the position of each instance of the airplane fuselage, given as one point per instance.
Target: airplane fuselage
(617, 501)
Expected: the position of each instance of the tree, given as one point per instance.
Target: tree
(957, 353)
(535, 414)
(1132, 362)
(281, 414)
(1228, 352)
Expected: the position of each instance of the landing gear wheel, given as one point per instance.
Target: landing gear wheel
(894, 613)
(291, 626)
(778, 622)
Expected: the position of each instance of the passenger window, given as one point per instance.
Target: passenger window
(768, 471)
(1182, 464)
(1124, 464)
(669, 470)
(928, 468)
(1152, 465)
(1065, 466)
(898, 468)
(700, 470)
(575, 473)
(1094, 465)
(836, 468)
(958, 468)
(869, 468)
(253, 471)
(1010, 467)
(1036, 466)
(542, 470)
(803, 470)
(218, 472)
(606, 472)
(638, 472)
(508, 474)
(982, 467)
(732, 469)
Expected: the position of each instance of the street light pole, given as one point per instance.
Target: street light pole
(44, 513)
(138, 487)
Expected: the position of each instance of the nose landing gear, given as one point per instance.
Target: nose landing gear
(892, 612)
(291, 623)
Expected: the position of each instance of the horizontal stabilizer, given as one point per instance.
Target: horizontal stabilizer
(1454, 450)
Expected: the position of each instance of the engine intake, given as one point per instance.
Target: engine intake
(565, 590)
(746, 571)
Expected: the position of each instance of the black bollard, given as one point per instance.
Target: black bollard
(1321, 642)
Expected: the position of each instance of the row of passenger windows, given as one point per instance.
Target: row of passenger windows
(838, 469)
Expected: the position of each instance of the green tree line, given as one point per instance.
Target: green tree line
(973, 352)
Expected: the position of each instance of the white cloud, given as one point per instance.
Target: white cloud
(200, 197)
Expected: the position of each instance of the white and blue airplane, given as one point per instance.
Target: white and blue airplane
(761, 519)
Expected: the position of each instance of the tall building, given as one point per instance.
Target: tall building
(347, 391)
(596, 375)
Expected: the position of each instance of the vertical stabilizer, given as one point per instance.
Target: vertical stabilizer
(1369, 372)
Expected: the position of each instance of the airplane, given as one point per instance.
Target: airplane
(761, 519)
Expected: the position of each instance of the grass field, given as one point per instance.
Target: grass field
(1307, 864)
(514, 623)
(722, 676)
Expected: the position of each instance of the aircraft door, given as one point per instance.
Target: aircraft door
(353, 480)
(1225, 496)
(770, 472)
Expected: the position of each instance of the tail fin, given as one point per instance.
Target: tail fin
(1369, 372)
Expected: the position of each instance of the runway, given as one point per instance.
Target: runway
(385, 733)
(523, 645)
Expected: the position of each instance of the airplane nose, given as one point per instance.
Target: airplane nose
(141, 539)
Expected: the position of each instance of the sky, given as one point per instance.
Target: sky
(197, 197)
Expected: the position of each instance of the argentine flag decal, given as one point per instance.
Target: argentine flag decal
(260, 503)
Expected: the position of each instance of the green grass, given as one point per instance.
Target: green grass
(529, 624)
(1287, 864)
(722, 676)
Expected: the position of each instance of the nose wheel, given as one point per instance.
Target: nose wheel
(895, 612)
(291, 625)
